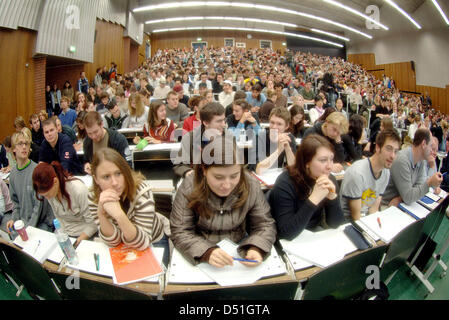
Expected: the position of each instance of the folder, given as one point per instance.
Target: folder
(415, 210)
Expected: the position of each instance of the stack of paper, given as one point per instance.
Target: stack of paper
(40, 243)
(392, 221)
(321, 248)
(269, 177)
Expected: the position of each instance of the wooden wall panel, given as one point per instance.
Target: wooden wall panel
(142, 48)
(214, 38)
(17, 89)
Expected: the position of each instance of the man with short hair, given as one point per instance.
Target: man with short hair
(99, 137)
(226, 96)
(36, 129)
(104, 100)
(177, 112)
(67, 115)
(366, 180)
(114, 118)
(203, 79)
(408, 181)
(307, 93)
(83, 83)
(212, 124)
(290, 92)
(59, 147)
(27, 207)
(281, 100)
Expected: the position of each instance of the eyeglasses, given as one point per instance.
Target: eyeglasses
(22, 144)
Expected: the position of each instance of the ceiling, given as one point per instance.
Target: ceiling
(422, 11)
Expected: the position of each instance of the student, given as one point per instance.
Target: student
(67, 197)
(276, 147)
(256, 98)
(238, 95)
(432, 167)
(99, 137)
(27, 207)
(298, 121)
(176, 111)
(159, 128)
(226, 96)
(281, 100)
(196, 103)
(34, 148)
(6, 205)
(221, 200)
(19, 123)
(36, 129)
(265, 109)
(242, 118)
(67, 115)
(65, 129)
(306, 191)
(115, 117)
(307, 93)
(138, 112)
(365, 181)
(123, 205)
(59, 147)
(104, 100)
(332, 129)
(80, 131)
(212, 125)
(316, 112)
(408, 182)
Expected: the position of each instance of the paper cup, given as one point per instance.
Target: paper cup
(19, 226)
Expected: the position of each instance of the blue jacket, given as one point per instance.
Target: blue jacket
(64, 152)
(69, 118)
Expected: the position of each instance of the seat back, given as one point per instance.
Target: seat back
(94, 290)
(30, 273)
(344, 279)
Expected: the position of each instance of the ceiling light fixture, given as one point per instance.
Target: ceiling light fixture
(252, 30)
(405, 14)
(178, 5)
(364, 16)
(221, 18)
(435, 3)
(330, 34)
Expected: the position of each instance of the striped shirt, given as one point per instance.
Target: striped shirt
(149, 224)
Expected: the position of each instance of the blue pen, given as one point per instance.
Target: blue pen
(245, 260)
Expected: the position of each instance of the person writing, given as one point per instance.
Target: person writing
(221, 200)
(306, 191)
(67, 197)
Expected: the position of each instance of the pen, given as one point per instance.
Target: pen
(38, 244)
(97, 261)
(245, 260)
(378, 221)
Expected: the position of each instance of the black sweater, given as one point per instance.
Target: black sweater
(294, 212)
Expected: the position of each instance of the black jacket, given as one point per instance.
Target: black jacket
(116, 141)
(64, 152)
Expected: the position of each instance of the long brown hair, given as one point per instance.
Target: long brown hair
(132, 178)
(43, 179)
(140, 107)
(305, 153)
(152, 115)
(223, 156)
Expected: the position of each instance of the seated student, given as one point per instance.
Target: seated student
(212, 125)
(269, 104)
(138, 112)
(36, 129)
(221, 200)
(290, 92)
(123, 205)
(195, 103)
(115, 117)
(6, 205)
(104, 100)
(365, 181)
(376, 127)
(276, 147)
(80, 131)
(238, 96)
(176, 112)
(431, 167)
(19, 123)
(281, 100)
(316, 112)
(339, 107)
(408, 182)
(34, 148)
(242, 118)
(59, 147)
(159, 128)
(306, 191)
(352, 140)
(27, 207)
(333, 128)
(298, 121)
(226, 96)
(65, 129)
(99, 137)
(256, 98)
(67, 115)
(10, 161)
(308, 93)
(67, 197)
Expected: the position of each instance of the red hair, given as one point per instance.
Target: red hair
(43, 179)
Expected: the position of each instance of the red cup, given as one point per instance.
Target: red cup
(19, 226)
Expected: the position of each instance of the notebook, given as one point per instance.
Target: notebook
(39, 245)
(415, 210)
(428, 202)
(269, 177)
(182, 271)
(132, 265)
(392, 221)
(239, 274)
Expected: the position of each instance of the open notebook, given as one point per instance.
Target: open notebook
(41, 245)
(416, 210)
(321, 248)
(392, 221)
(181, 271)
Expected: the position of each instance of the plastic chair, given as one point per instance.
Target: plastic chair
(30, 273)
(344, 279)
(94, 290)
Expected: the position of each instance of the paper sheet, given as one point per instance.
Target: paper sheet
(38, 250)
(269, 177)
(417, 209)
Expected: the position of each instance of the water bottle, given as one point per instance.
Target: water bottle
(242, 136)
(65, 244)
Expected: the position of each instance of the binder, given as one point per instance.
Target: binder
(357, 238)
(415, 210)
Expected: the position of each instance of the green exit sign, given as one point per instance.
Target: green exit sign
(72, 49)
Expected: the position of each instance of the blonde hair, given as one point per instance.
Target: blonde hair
(338, 119)
(140, 107)
(17, 136)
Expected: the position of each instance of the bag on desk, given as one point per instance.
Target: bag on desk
(357, 238)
